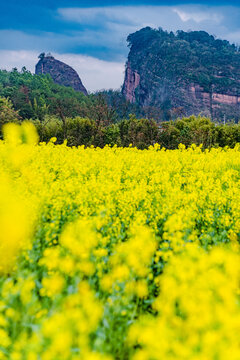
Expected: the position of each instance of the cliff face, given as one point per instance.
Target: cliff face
(62, 74)
(132, 81)
(186, 73)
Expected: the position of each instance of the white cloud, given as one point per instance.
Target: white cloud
(10, 59)
(234, 37)
(127, 16)
(139, 16)
(198, 16)
(95, 74)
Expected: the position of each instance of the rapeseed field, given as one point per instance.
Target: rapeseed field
(118, 253)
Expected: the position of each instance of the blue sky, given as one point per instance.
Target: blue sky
(91, 35)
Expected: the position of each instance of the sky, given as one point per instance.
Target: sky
(91, 36)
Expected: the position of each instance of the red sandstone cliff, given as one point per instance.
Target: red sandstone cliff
(131, 82)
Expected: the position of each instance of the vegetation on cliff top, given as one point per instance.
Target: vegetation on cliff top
(194, 56)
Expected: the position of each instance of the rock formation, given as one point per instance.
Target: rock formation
(61, 73)
(190, 71)
(132, 80)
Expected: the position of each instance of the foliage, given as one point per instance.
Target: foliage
(36, 96)
(84, 131)
(7, 113)
(140, 132)
(193, 130)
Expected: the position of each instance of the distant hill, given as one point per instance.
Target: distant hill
(61, 73)
(184, 73)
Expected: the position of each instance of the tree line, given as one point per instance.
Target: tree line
(138, 132)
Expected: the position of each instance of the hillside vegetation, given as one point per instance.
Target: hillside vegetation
(184, 72)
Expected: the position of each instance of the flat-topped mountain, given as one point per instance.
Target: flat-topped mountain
(184, 73)
(60, 72)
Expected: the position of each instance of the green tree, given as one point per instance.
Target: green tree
(7, 112)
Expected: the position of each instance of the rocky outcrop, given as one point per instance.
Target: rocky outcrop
(197, 93)
(211, 102)
(131, 82)
(226, 99)
(61, 73)
(187, 73)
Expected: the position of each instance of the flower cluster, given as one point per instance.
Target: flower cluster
(118, 253)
